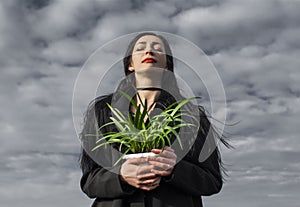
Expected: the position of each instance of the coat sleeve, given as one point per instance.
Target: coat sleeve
(199, 177)
(96, 180)
(102, 183)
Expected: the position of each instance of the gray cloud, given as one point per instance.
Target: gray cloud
(253, 44)
(242, 23)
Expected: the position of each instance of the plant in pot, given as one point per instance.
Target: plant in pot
(135, 137)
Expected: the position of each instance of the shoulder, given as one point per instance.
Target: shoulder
(100, 102)
(97, 106)
(166, 98)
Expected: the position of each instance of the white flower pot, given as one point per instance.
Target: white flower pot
(139, 155)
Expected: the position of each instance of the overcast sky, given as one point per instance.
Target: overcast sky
(254, 45)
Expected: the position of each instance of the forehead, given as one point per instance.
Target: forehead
(149, 39)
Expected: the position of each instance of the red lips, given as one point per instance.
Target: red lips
(149, 60)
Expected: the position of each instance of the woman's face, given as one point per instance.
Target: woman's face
(149, 51)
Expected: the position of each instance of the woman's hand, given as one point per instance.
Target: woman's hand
(137, 172)
(163, 163)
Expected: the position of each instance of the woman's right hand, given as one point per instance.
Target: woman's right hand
(137, 172)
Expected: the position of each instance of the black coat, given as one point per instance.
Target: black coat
(189, 180)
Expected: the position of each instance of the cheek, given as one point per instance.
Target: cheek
(137, 56)
(134, 60)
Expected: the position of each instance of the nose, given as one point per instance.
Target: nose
(150, 53)
(149, 50)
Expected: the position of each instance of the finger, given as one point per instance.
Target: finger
(164, 153)
(162, 159)
(151, 185)
(146, 176)
(170, 161)
(161, 165)
(143, 168)
(169, 148)
(156, 151)
(170, 154)
(149, 181)
(166, 148)
(137, 160)
(163, 173)
(148, 187)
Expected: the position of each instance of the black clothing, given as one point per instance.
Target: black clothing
(189, 180)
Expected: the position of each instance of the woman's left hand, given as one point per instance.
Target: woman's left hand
(165, 161)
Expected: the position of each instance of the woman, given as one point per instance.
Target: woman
(167, 179)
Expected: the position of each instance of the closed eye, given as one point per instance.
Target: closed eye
(139, 49)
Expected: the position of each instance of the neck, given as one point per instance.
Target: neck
(149, 78)
(147, 83)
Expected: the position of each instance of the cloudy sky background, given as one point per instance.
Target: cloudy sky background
(254, 45)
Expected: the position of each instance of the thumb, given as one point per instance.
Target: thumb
(156, 151)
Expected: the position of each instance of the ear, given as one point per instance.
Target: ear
(131, 68)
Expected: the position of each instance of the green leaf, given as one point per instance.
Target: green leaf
(121, 157)
(176, 135)
(118, 124)
(117, 113)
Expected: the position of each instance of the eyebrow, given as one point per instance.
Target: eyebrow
(153, 43)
